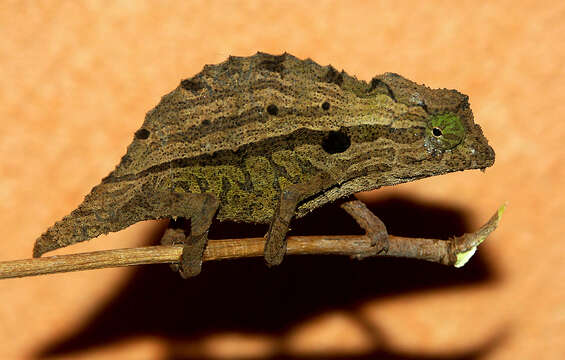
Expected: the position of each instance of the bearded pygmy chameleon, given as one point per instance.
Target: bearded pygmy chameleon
(264, 139)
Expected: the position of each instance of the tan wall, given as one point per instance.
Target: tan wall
(77, 78)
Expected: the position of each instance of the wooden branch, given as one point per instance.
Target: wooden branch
(455, 252)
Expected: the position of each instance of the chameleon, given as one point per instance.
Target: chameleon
(266, 139)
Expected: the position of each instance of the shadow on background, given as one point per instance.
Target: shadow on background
(245, 296)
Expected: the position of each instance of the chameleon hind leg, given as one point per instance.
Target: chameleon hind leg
(176, 233)
(100, 213)
(275, 245)
(201, 211)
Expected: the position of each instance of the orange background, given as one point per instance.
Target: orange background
(77, 79)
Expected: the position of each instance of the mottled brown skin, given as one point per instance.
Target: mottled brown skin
(264, 139)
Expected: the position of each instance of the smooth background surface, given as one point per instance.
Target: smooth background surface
(76, 81)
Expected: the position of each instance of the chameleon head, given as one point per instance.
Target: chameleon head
(403, 132)
(448, 141)
(440, 133)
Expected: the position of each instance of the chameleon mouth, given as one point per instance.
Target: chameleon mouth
(481, 153)
(482, 158)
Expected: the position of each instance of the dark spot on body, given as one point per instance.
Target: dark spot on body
(333, 76)
(272, 109)
(142, 134)
(336, 142)
(206, 122)
(192, 85)
(326, 105)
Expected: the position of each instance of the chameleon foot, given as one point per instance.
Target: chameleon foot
(191, 258)
(374, 228)
(190, 262)
(200, 209)
(275, 246)
(176, 234)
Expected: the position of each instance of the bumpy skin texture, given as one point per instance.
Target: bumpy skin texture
(267, 138)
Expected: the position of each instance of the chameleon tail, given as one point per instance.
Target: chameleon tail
(104, 210)
(71, 229)
(112, 207)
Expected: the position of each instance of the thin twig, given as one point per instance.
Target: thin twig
(454, 252)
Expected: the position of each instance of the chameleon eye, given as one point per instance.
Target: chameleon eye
(444, 131)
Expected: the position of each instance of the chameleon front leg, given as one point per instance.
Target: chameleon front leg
(275, 246)
(203, 207)
(374, 228)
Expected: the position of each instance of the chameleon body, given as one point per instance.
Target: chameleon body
(264, 139)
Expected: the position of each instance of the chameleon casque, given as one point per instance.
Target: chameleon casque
(264, 139)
